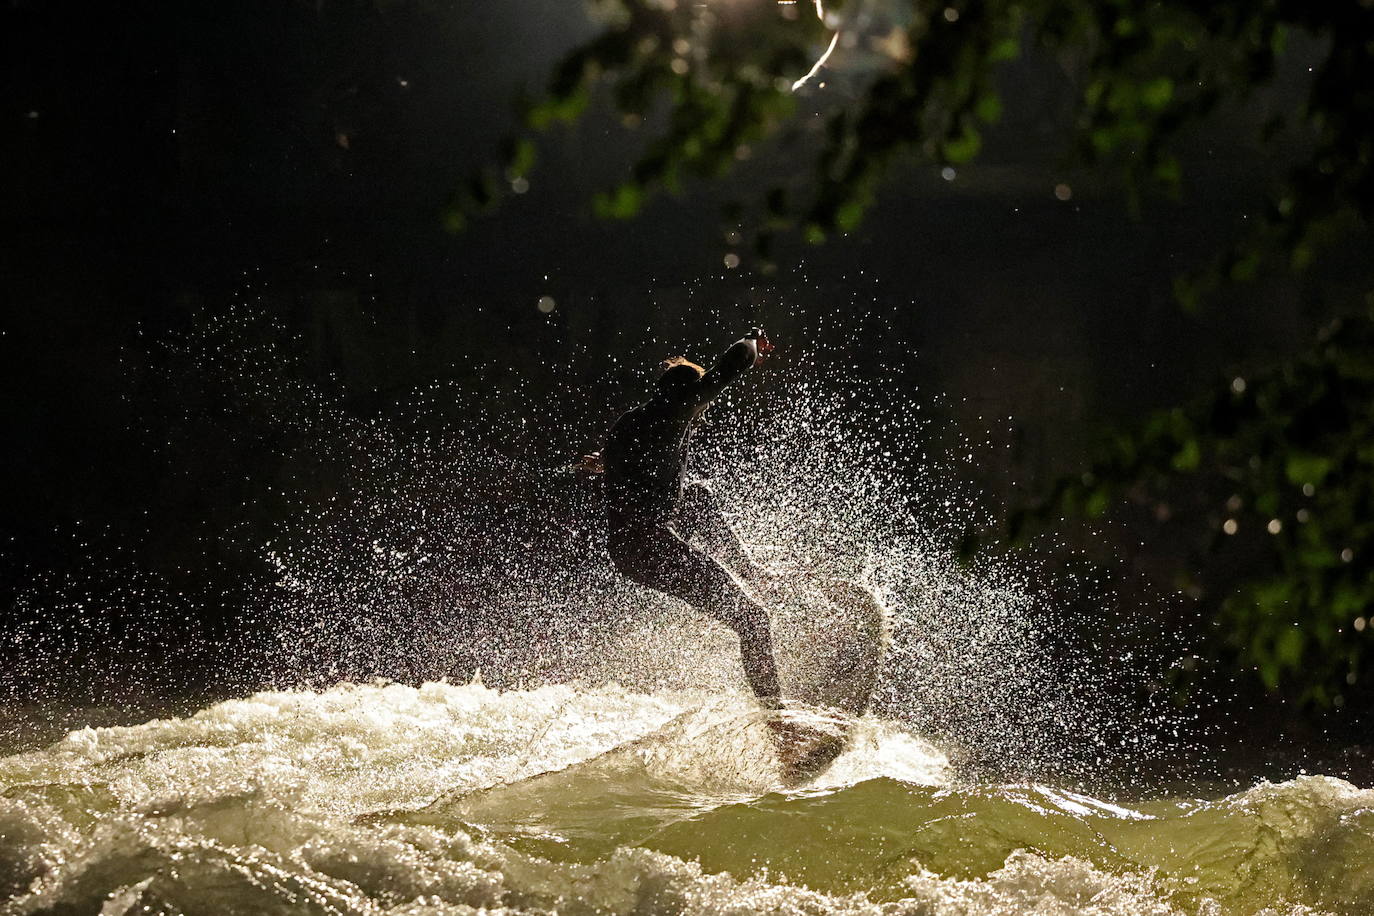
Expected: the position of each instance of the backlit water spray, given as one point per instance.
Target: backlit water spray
(469, 711)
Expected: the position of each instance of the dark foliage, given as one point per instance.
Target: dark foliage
(1282, 465)
(707, 81)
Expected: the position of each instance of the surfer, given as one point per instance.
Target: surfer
(652, 517)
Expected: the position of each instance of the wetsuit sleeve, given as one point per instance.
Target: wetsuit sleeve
(737, 360)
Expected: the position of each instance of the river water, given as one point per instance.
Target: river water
(447, 798)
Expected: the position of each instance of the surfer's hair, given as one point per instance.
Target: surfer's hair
(679, 374)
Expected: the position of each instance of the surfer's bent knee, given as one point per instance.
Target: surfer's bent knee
(747, 619)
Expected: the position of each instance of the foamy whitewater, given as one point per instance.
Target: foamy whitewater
(616, 765)
(392, 799)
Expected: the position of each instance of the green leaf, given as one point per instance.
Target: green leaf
(849, 215)
(964, 147)
(1304, 467)
(1168, 171)
(621, 203)
(989, 108)
(1004, 50)
(1288, 647)
(520, 156)
(1157, 93)
(1188, 457)
(1096, 504)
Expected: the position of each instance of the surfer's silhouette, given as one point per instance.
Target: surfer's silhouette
(653, 515)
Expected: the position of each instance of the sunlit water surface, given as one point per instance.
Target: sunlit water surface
(387, 798)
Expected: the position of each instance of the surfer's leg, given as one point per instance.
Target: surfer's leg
(699, 518)
(750, 622)
(667, 563)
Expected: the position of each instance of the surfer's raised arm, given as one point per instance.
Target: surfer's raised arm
(742, 356)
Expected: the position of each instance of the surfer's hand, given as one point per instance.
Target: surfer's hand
(591, 464)
(762, 345)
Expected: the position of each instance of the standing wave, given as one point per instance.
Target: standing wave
(383, 798)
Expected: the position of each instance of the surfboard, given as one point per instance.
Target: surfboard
(830, 637)
(704, 756)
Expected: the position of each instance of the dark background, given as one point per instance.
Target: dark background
(170, 164)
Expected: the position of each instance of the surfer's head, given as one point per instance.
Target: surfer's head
(677, 375)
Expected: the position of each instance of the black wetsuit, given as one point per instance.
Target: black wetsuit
(652, 517)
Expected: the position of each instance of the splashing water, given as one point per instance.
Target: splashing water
(412, 577)
(616, 764)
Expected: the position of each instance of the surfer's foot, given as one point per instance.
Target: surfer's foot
(803, 752)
